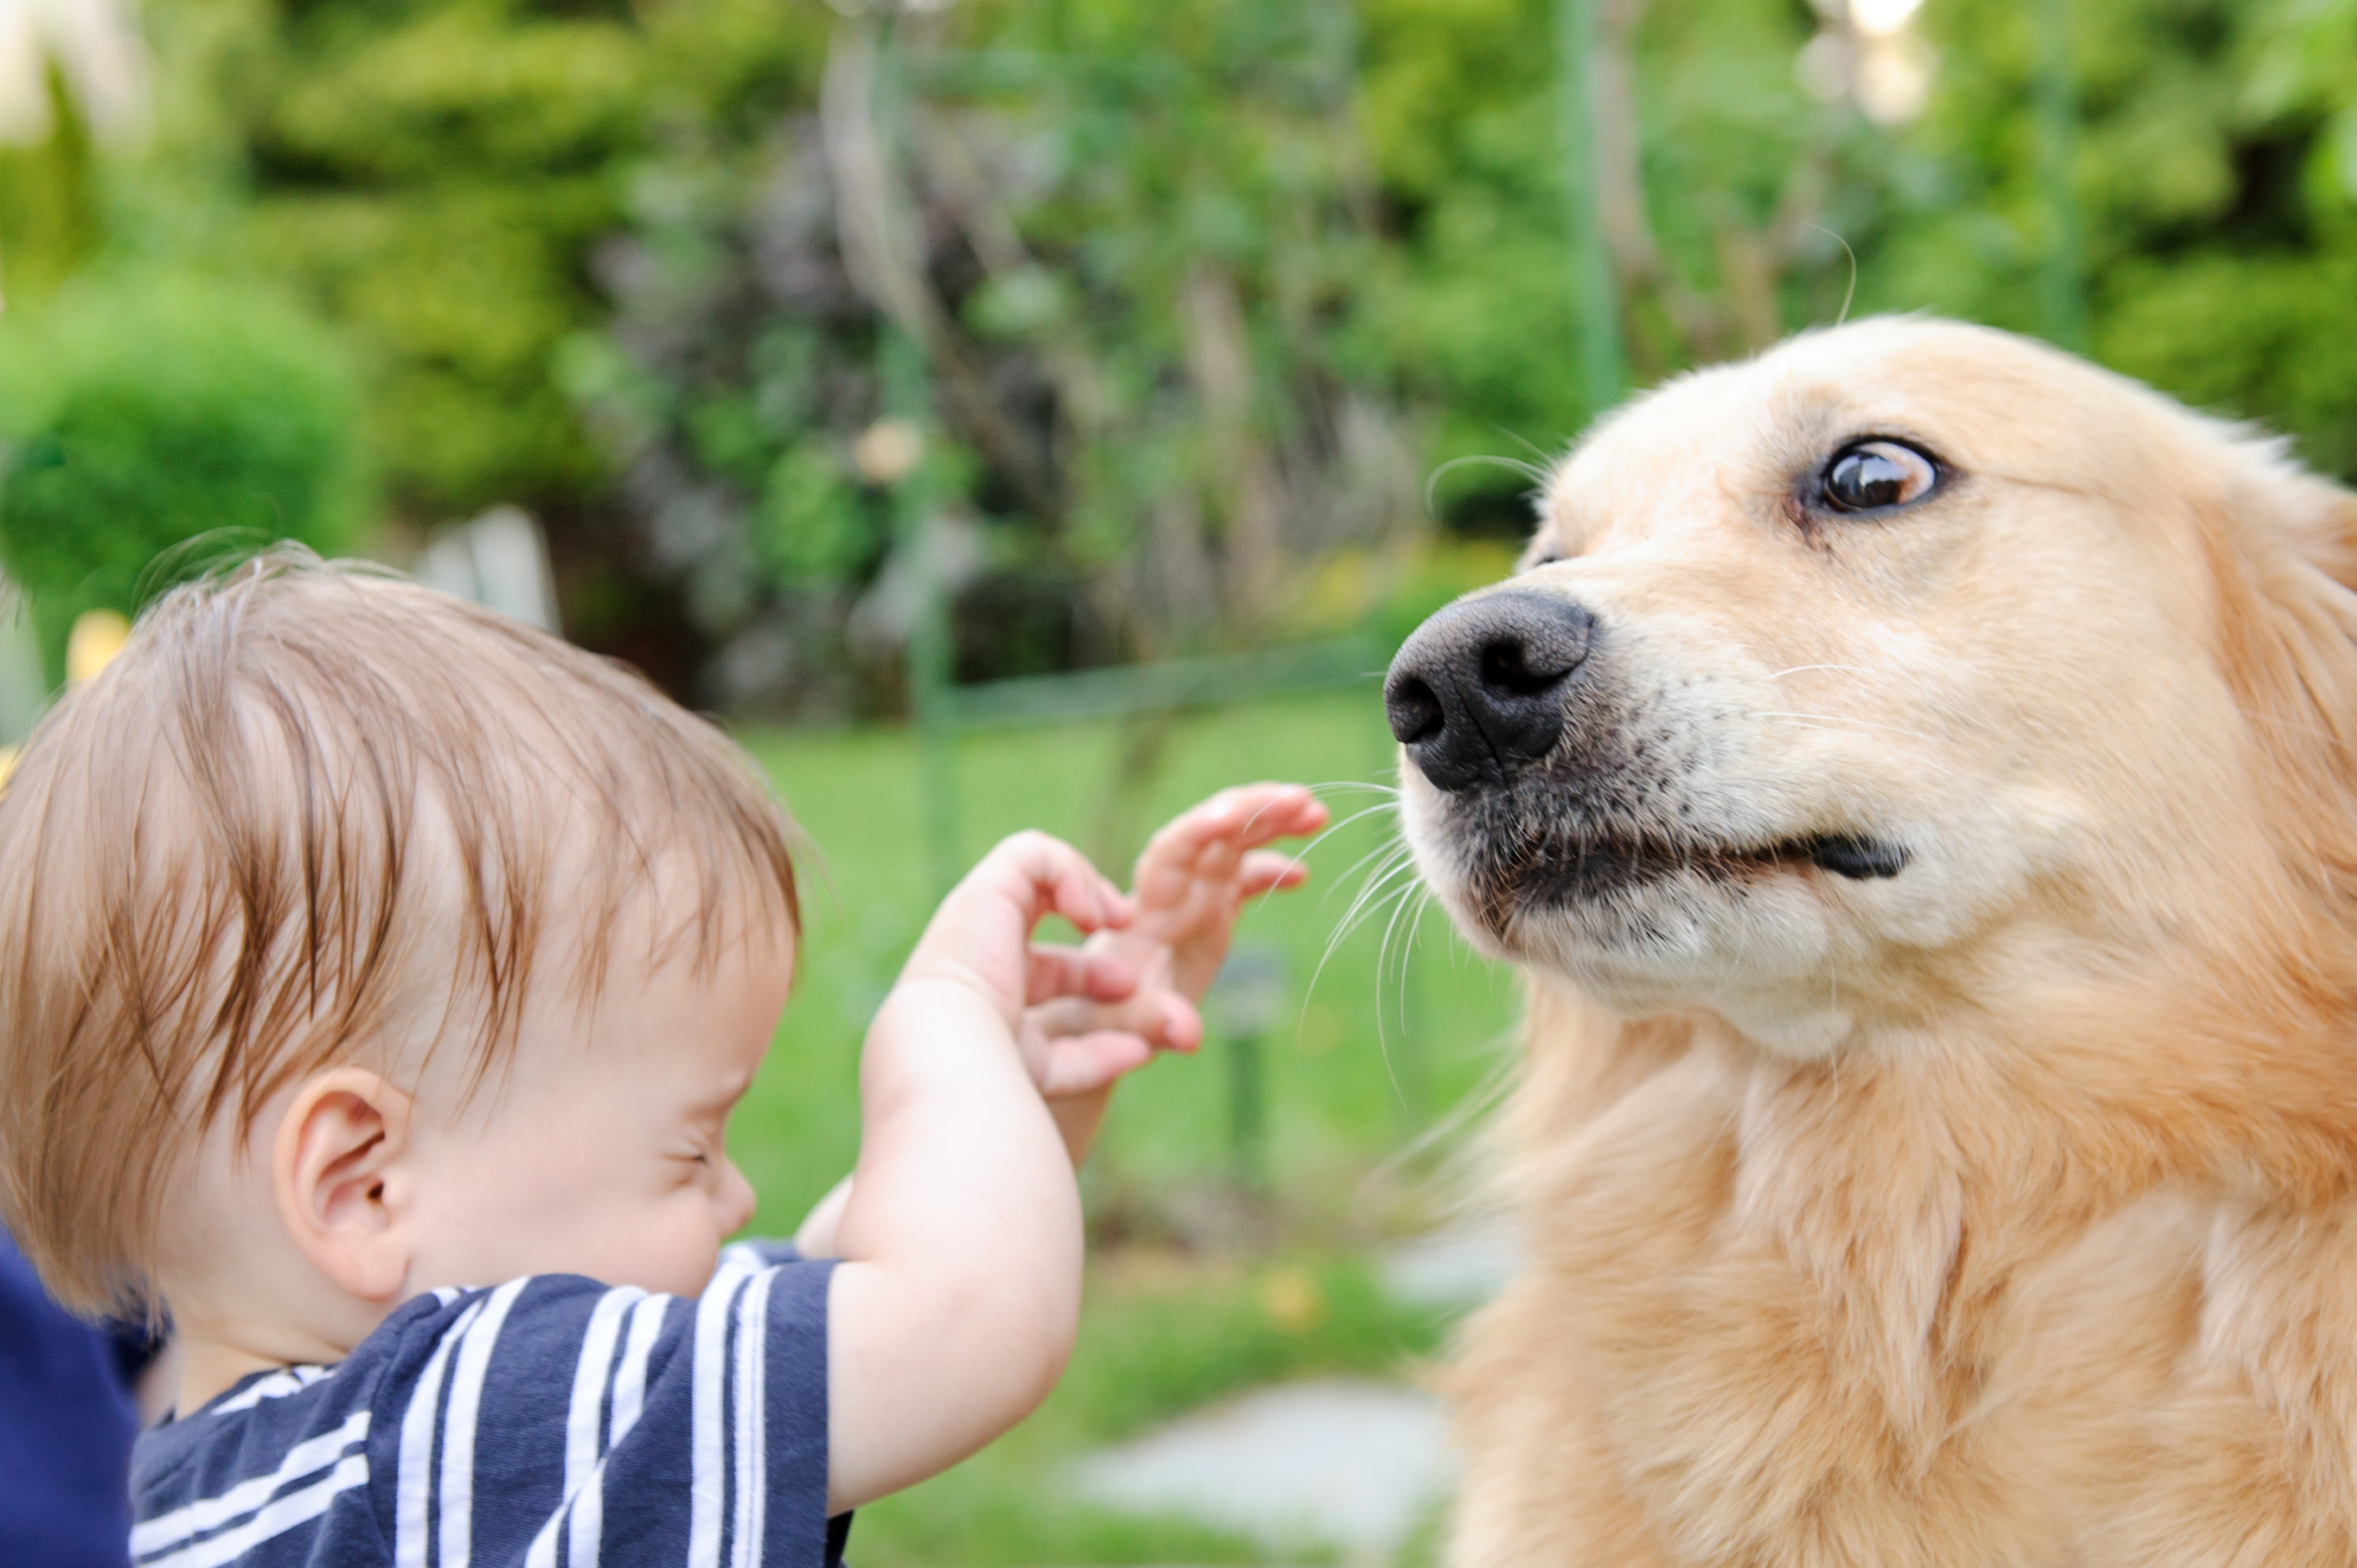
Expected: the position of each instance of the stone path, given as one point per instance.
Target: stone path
(1343, 1462)
(1461, 1267)
(1349, 1463)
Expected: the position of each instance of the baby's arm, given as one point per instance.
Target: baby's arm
(1073, 1047)
(954, 1307)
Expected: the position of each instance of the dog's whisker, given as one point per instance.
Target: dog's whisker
(1369, 899)
(1383, 1039)
(1804, 668)
(1370, 889)
(1378, 887)
(1389, 850)
(1531, 471)
(1391, 856)
(1416, 901)
(1846, 719)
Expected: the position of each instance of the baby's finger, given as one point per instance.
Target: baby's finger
(1061, 881)
(1281, 812)
(1265, 870)
(1054, 971)
(1088, 1062)
(1249, 815)
(1181, 1029)
(1162, 1018)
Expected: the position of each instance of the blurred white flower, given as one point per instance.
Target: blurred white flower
(1894, 78)
(1882, 18)
(93, 45)
(1868, 54)
(887, 451)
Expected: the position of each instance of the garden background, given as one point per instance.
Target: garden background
(839, 357)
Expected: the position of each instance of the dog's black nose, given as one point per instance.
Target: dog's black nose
(1478, 692)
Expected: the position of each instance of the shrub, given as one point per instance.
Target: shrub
(138, 415)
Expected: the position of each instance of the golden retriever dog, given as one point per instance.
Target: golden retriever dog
(1917, 772)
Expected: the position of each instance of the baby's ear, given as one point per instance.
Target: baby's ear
(343, 1132)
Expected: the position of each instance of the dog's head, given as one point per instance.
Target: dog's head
(1891, 671)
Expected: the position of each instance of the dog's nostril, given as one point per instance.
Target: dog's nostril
(1413, 710)
(1507, 666)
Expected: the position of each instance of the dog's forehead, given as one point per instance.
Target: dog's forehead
(1969, 393)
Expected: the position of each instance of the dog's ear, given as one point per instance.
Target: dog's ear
(2270, 529)
(2320, 520)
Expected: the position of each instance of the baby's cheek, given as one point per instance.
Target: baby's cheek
(690, 1243)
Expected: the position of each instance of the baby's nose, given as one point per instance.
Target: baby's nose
(736, 1197)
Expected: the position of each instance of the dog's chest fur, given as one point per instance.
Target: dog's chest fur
(1768, 1318)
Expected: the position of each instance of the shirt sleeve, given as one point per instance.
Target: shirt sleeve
(556, 1423)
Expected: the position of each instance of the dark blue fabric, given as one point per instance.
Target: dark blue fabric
(66, 1425)
(551, 1422)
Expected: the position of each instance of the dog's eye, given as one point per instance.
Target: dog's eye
(1875, 474)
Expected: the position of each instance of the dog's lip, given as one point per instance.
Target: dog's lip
(1609, 861)
(1856, 855)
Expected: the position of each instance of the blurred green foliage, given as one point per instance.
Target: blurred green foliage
(140, 412)
(2214, 172)
(436, 175)
(48, 208)
(1198, 290)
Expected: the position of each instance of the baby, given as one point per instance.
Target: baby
(376, 978)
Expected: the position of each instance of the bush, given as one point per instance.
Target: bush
(139, 415)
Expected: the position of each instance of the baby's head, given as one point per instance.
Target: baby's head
(356, 942)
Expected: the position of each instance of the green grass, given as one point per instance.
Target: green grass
(1164, 1329)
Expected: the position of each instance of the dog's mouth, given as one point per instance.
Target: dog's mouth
(1579, 868)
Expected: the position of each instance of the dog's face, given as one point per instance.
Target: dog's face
(1845, 686)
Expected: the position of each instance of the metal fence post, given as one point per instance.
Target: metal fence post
(1596, 293)
(931, 654)
(1245, 1001)
(2062, 285)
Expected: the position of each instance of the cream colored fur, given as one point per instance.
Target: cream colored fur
(2002, 1211)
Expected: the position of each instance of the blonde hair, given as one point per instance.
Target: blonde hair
(309, 803)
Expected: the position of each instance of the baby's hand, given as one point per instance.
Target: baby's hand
(1192, 881)
(1089, 1024)
(1195, 874)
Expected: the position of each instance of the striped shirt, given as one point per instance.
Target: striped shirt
(549, 1422)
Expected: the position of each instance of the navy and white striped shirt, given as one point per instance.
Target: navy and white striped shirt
(550, 1423)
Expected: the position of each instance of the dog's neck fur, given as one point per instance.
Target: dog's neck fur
(1866, 1227)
